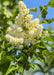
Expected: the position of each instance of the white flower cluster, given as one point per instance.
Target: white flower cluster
(26, 30)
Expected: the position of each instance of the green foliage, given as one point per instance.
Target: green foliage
(43, 11)
(51, 3)
(48, 21)
(34, 9)
(40, 67)
(11, 69)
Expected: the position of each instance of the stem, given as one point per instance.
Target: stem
(26, 64)
(44, 73)
(25, 67)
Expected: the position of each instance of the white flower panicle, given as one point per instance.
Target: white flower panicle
(26, 30)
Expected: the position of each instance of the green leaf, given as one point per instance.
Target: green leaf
(40, 68)
(45, 52)
(34, 9)
(1, 54)
(5, 59)
(10, 69)
(23, 56)
(43, 11)
(43, 21)
(50, 45)
(7, 13)
(4, 67)
(6, 3)
(20, 69)
(20, 0)
(47, 20)
(48, 39)
(51, 3)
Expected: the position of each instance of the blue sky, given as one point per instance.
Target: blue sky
(37, 3)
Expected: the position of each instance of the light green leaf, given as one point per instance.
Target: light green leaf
(6, 3)
(21, 69)
(7, 13)
(10, 69)
(40, 67)
(45, 52)
(51, 3)
(48, 39)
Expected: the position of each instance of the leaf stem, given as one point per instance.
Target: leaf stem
(44, 73)
(25, 64)
(25, 67)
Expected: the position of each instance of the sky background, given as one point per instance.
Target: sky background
(38, 3)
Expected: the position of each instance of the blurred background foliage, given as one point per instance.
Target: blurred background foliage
(39, 58)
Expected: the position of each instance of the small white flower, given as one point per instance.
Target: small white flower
(20, 46)
(9, 29)
(31, 32)
(21, 40)
(19, 29)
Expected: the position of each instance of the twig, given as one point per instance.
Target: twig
(25, 67)
(25, 64)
